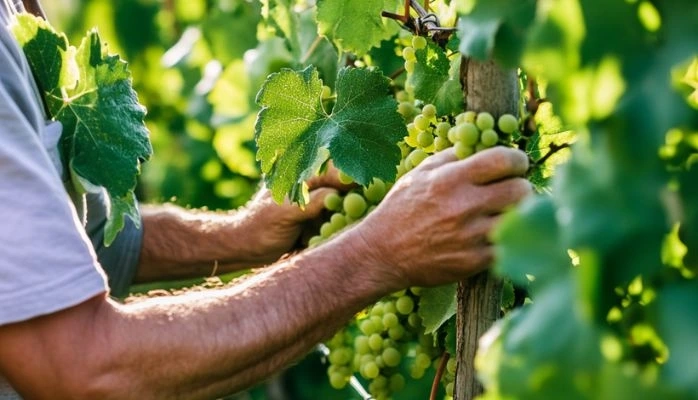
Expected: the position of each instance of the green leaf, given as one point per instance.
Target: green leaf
(497, 27)
(437, 305)
(677, 324)
(356, 26)
(436, 80)
(295, 135)
(528, 243)
(231, 33)
(104, 137)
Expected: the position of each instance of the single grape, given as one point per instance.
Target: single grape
(489, 138)
(429, 111)
(402, 96)
(507, 123)
(354, 205)
(391, 357)
(326, 92)
(425, 139)
(370, 370)
(396, 332)
(389, 307)
(419, 42)
(421, 122)
(361, 345)
(326, 230)
(345, 179)
(442, 129)
(366, 327)
(340, 356)
(449, 389)
(414, 320)
(484, 121)
(390, 320)
(451, 365)
(338, 222)
(409, 66)
(422, 361)
(408, 54)
(441, 144)
(333, 202)
(315, 240)
(463, 151)
(375, 191)
(338, 381)
(397, 382)
(404, 305)
(416, 157)
(468, 134)
(375, 342)
(406, 109)
(452, 136)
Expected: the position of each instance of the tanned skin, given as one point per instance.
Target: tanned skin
(430, 229)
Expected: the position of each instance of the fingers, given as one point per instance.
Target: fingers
(316, 203)
(491, 165)
(328, 179)
(438, 159)
(498, 196)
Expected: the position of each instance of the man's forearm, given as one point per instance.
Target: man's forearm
(180, 243)
(226, 340)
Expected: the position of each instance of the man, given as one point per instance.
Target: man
(62, 337)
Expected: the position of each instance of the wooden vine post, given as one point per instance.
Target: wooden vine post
(486, 87)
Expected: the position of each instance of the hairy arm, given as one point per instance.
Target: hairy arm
(197, 346)
(200, 346)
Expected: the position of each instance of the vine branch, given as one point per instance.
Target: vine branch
(439, 374)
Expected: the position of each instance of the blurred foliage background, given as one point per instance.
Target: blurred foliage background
(197, 66)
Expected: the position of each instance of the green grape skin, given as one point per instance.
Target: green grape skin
(315, 240)
(409, 66)
(396, 332)
(462, 151)
(451, 136)
(419, 42)
(422, 361)
(413, 320)
(484, 121)
(345, 179)
(507, 123)
(333, 202)
(338, 381)
(402, 96)
(375, 192)
(366, 327)
(391, 357)
(326, 92)
(429, 111)
(361, 345)
(468, 134)
(340, 356)
(375, 342)
(441, 129)
(397, 382)
(338, 222)
(404, 305)
(425, 139)
(449, 389)
(416, 157)
(326, 230)
(377, 310)
(390, 320)
(489, 137)
(451, 365)
(408, 54)
(370, 370)
(406, 109)
(479, 147)
(354, 205)
(421, 122)
(441, 144)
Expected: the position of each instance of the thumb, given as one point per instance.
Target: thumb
(317, 202)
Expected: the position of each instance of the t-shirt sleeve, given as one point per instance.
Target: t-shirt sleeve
(46, 261)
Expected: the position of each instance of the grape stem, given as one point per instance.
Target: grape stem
(439, 375)
(554, 148)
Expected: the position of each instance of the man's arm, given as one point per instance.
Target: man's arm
(431, 228)
(179, 243)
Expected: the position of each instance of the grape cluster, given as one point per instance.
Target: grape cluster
(388, 339)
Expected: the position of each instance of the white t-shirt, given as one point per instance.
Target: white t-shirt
(47, 263)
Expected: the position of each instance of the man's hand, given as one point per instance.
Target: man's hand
(433, 226)
(275, 228)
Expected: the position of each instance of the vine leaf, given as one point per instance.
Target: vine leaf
(356, 26)
(497, 27)
(104, 137)
(435, 80)
(295, 135)
(437, 305)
